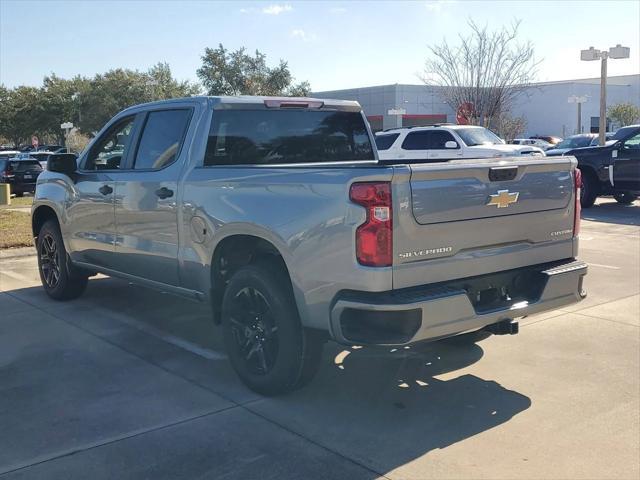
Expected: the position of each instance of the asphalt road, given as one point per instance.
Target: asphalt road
(131, 383)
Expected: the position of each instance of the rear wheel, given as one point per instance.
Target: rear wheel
(589, 190)
(267, 345)
(60, 280)
(625, 198)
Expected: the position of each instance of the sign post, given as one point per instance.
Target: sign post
(579, 101)
(66, 126)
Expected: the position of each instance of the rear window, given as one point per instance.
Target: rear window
(384, 142)
(24, 165)
(265, 137)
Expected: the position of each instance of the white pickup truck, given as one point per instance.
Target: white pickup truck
(440, 143)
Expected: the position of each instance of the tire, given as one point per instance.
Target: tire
(59, 279)
(589, 190)
(268, 347)
(625, 198)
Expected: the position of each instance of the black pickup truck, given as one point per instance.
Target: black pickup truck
(612, 169)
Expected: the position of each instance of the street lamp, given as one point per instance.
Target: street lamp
(592, 54)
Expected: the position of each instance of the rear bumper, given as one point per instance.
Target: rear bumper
(432, 312)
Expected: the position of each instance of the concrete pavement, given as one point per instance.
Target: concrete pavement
(130, 383)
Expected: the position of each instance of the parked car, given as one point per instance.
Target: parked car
(596, 140)
(42, 157)
(548, 138)
(21, 175)
(278, 212)
(612, 169)
(9, 154)
(440, 143)
(575, 141)
(536, 142)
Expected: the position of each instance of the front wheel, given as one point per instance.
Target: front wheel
(625, 198)
(59, 278)
(267, 345)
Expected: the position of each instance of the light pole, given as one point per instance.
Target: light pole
(579, 101)
(592, 54)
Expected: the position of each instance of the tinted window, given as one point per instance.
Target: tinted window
(24, 165)
(384, 142)
(633, 142)
(438, 138)
(3, 165)
(478, 136)
(111, 148)
(161, 138)
(416, 141)
(242, 137)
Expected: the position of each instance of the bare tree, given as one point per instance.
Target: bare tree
(484, 74)
(509, 127)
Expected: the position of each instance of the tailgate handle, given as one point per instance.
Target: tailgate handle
(501, 174)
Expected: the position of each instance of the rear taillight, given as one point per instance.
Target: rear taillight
(577, 181)
(374, 238)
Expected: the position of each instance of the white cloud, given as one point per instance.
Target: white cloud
(276, 9)
(302, 35)
(437, 6)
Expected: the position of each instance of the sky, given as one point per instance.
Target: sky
(333, 45)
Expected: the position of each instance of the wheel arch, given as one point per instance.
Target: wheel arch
(237, 249)
(40, 216)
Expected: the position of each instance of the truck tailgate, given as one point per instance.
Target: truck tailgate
(471, 217)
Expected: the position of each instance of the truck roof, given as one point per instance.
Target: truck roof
(256, 100)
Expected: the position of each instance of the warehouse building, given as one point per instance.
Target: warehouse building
(545, 106)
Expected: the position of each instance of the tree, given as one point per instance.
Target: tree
(508, 127)
(237, 73)
(117, 89)
(624, 113)
(487, 71)
(20, 114)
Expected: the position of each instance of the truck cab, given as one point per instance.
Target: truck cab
(611, 169)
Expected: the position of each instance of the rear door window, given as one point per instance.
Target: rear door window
(267, 137)
(25, 166)
(384, 142)
(417, 140)
(161, 138)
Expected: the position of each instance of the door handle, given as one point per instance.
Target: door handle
(164, 192)
(105, 190)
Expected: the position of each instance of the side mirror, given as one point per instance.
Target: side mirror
(451, 144)
(65, 163)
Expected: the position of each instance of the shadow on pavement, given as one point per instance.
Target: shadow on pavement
(380, 407)
(613, 212)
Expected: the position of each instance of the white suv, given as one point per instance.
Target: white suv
(446, 142)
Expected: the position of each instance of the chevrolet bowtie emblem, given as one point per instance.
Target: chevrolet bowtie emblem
(503, 198)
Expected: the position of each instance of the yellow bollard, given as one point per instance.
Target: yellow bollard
(5, 194)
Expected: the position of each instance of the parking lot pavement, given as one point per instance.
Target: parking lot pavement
(130, 383)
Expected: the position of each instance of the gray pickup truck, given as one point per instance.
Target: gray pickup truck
(278, 212)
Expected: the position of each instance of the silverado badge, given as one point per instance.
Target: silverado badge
(503, 198)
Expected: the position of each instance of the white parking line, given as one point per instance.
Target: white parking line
(610, 267)
(16, 276)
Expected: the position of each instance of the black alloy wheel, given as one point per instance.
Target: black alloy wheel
(254, 330)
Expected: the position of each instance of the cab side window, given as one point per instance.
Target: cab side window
(111, 149)
(632, 143)
(161, 138)
(439, 138)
